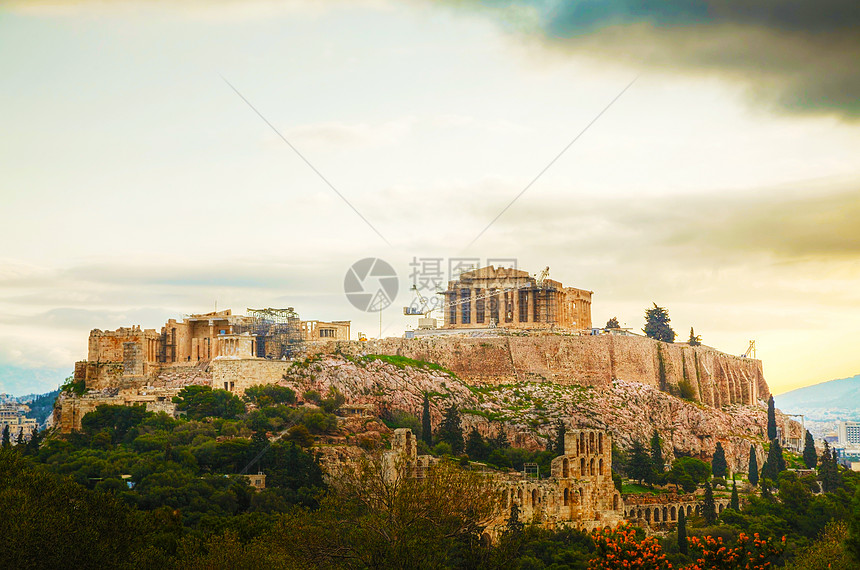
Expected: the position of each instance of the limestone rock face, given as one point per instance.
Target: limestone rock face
(715, 378)
(529, 411)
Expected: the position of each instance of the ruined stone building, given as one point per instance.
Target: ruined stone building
(578, 493)
(511, 298)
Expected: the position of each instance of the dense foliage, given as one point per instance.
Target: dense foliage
(657, 324)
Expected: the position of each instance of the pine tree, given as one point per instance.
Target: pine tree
(451, 430)
(426, 427)
(810, 457)
(718, 462)
(7, 439)
(736, 503)
(657, 324)
(695, 340)
(501, 439)
(682, 531)
(19, 439)
(828, 472)
(657, 453)
(771, 419)
(753, 469)
(612, 323)
(709, 507)
(476, 447)
(32, 447)
(560, 430)
(639, 465)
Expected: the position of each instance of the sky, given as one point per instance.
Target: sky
(166, 158)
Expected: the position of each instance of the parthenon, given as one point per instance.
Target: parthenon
(511, 298)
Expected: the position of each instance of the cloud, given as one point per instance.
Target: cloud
(798, 54)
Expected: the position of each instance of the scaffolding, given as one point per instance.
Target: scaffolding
(278, 332)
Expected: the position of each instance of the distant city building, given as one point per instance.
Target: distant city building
(848, 433)
(13, 415)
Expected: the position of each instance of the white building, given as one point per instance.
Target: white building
(849, 433)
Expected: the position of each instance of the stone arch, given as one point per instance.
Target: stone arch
(591, 467)
(639, 514)
(581, 443)
(409, 443)
(565, 468)
(581, 466)
(665, 514)
(485, 539)
(656, 514)
(673, 513)
(698, 510)
(591, 442)
(722, 506)
(689, 510)
(535, 497)
(648, 515)
(566, 497)
(600, 442)
(615, 502)
(519, 496)
(600, 466)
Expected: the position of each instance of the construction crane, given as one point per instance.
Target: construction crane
(750, 350)
(539, 279)
(426, 322)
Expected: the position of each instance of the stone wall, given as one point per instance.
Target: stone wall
(238, 374)
(716, 378)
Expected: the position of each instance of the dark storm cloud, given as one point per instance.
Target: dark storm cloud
(800, 54)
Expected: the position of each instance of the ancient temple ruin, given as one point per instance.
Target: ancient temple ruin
(492, 297)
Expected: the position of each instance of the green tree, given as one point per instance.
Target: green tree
(735, 501)
(639, 464)
(514, 526)
(7, 438)
(709, 507)
(810, 457)
(682, 532)
(828, 471)
(853, 542)
(657, 324)
(689, 473)
(476, 448)
(426, 426)
(264, 395)
(560, 430)
(200, 402)
(333, 401)
(612, 324)
(775, 462)
(657, 453)
(771, 419)
(451, 430)
(752, 473)
(695, 340)
(718, 461)
(116, 420)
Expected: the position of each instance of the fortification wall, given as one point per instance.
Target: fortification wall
(715, 378)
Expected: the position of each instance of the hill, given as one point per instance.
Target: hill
(835, 399)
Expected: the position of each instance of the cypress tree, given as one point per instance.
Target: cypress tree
(514, 525)
(810, 457)
(718, 462)
(828, 472)
(771, 419)
(426, 427)
(657, 453)
(709, 507)
(753, 469)
(682, 531)
(19, 439)
(7, 439)
(775, 462)
(736, 503)
(559, 438)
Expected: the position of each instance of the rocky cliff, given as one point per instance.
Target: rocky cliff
(528, 411)
(714, 378)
